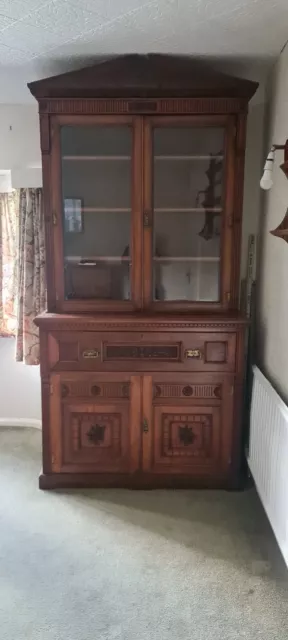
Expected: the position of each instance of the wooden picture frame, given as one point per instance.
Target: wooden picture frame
(73, 215)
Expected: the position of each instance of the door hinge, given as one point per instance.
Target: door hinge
(228, 296)
(232, 389)
(54, 218)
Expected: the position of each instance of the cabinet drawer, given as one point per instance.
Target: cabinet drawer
(136, 351)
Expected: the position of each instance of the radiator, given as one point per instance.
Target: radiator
(268, 455)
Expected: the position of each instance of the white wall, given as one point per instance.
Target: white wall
(273, 260)
(19, 389)
(253, 170)
(20, 144)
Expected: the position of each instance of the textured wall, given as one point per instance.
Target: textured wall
(20, 144)
(273, 260)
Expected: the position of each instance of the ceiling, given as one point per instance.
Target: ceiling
(44, 37)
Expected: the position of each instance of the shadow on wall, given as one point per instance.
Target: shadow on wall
(252, 202)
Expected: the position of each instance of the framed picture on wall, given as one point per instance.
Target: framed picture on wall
(73, 215)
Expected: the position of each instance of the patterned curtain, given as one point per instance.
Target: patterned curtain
(31, 285)
(9, 219)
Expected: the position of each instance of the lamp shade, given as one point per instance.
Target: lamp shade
(266, 180)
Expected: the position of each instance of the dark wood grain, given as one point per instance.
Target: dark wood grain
(238, 203)
(137, 226)
(227, 248)
(147, 211)
(144, 76)
(237, 444)
(139, 420)
(139, 480)
(230, 321)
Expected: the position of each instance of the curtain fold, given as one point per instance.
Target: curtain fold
(31, 281)
(9, 227)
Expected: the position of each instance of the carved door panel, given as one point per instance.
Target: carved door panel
(93, 422)
(187, 424)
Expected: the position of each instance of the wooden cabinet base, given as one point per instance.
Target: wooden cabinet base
(144, 482)
(156, 406)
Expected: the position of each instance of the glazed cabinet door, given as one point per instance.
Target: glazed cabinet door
(188, 211)
(96, 205)
(93, 423)
(187, 424)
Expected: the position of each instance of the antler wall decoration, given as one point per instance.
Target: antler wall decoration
(210, 200)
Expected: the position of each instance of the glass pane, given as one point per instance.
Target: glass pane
(96, 191)
(187, 201)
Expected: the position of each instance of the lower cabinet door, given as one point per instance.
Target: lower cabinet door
(187, 426)
(92, 423)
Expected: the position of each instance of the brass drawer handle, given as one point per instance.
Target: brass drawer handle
(91, 353)
(193, 353)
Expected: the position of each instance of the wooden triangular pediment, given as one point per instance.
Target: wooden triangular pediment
(144, 76)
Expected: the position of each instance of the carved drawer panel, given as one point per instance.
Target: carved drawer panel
(187, 391)
(138, 351)
(94, 389)
(149, 351)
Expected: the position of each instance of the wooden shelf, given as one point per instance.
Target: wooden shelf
(185, 259)
(186, 157)
(156, 209)
(96, 158)
(77, 259)
(102, 209)
(187, 209)
(127, 158)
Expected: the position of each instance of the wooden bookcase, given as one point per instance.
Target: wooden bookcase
(142, 345)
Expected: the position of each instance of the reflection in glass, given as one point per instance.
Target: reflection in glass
(96, 188)
(188, 175)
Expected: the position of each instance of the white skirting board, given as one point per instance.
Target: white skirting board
(20, 422)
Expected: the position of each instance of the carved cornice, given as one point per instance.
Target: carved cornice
(118, 106)
(141, 326)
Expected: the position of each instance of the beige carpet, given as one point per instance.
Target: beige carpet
(110, 565)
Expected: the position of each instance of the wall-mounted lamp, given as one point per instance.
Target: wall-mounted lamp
(266, 181)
